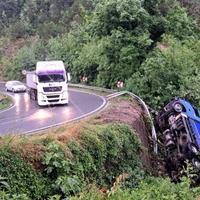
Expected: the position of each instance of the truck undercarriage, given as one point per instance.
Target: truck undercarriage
(178, 125)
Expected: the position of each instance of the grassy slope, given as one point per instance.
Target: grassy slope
(5, 102)
(32, 149)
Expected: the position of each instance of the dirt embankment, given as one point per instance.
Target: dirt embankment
(119, 110)
(129, 112)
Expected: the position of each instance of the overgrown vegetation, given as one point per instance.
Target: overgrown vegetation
(138, 42)
(150, 45)
(5, 102)
(20, 177)
(150, 188)
(99, 156)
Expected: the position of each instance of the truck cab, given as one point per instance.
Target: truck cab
(48, 83)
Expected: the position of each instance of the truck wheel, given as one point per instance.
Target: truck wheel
(178, 107)
(183, 140)
(193, 149)
(33, 95)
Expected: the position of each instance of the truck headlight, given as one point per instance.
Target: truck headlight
(65, 95)
(40, 96)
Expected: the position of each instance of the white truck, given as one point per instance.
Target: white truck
(48, 84)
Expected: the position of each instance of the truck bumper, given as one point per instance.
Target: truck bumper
(53, 99)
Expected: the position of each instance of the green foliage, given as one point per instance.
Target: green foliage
(69, 185)
(193, 8)
(46, 18)
(149, 189)
(18, 30)
(99, 156)
(66, 48)
(170, 71)
(117, 38)
(49, 29)
(113, 43)
(56, 162)
(7, 196)
(26, 59)
(90, 193)
(105, 154)
(20, 177)
(3, 183)
(55, 197)
(180, 25)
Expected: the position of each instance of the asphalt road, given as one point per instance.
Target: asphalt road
(27, 117)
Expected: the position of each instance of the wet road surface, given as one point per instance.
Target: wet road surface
(26, 116)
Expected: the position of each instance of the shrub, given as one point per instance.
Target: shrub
(149, 189)
(20, 176)
(100, 155)
(170, 71)
(105, 153)
(55, 161)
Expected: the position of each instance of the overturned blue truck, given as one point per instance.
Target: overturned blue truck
(178, 124)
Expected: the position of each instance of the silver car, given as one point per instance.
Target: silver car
(15, 86)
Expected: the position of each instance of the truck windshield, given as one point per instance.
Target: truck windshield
(51, 78)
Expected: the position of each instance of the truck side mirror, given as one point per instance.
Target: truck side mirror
(68, 76)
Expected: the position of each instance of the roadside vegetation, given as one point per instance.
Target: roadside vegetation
(101, 154)
(5, 101)
(151, 45)
(93, 160)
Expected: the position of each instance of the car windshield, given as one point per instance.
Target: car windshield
(17, 83)
(51, 78)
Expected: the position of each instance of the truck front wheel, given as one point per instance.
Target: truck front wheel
(33, 94)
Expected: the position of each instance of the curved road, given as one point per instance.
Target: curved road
(26, 116)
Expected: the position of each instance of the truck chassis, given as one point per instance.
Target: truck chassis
(178, 124)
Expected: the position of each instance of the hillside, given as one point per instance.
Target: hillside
(107, 41)
(47, 153)
(106, 156)
(152, 46)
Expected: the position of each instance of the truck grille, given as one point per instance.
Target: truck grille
(52, 89)
(53, 96)
(53, 100)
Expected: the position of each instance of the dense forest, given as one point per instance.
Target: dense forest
(150, 45)
(153, 46)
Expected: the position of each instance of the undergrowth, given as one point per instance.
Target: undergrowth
(101, 154)
(106, 157)
(20, 177)
(5, 102)
(149, 189)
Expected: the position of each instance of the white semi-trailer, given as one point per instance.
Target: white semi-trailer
(48, 83)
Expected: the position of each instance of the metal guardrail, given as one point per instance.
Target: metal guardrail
(92, 88)
(115, 93)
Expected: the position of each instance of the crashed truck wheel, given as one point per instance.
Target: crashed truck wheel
(178, 107)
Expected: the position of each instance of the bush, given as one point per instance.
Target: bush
(149, 189)
(105, 153)
(99, 156)
(20, 176)
(171, 70)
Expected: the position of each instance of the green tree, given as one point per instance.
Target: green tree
(171, 70)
